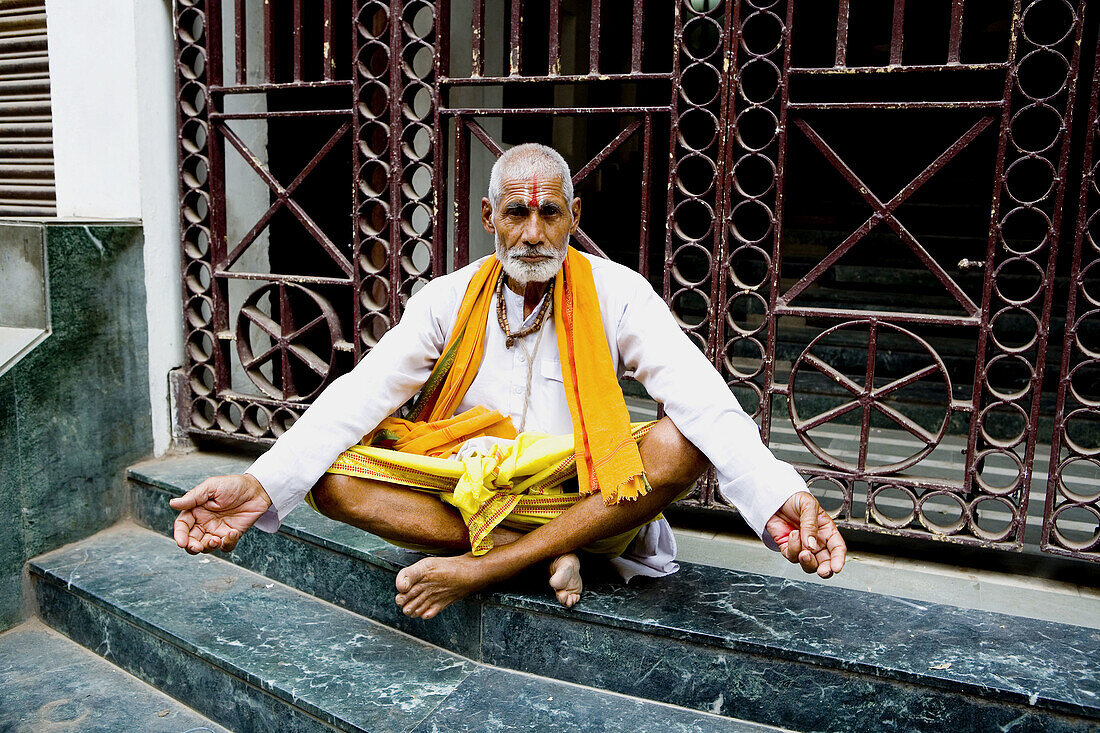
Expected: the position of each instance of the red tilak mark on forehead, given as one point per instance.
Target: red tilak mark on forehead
(534, 191)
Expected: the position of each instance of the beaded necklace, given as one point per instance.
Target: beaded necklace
(502, 316)
(511, 339)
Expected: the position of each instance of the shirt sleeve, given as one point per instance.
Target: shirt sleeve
(354, 404)
(695, 396)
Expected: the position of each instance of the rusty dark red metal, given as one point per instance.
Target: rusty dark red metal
(1074, 473)
(746, 100)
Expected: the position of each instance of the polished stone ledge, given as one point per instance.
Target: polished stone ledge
(258, 655)
(47, 682)
(726, 628)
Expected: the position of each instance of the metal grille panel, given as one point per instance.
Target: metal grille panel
(909, 415)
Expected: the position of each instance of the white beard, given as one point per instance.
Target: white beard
(529, 272)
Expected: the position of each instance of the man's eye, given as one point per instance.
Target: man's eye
(520, 211)
(549, 211)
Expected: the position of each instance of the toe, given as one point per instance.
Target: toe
(432, 609)
(415, 608)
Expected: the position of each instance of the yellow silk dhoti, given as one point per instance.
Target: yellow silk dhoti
(519, 484)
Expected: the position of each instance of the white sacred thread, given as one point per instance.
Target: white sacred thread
(531, 363)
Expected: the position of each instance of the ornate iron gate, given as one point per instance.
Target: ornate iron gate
(353, 127)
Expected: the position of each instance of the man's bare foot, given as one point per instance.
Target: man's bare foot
(565, 579)
(428, 586)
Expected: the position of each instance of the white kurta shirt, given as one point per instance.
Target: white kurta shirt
(643, 337)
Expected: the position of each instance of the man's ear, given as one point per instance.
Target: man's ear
(576, 209)
(487, 215)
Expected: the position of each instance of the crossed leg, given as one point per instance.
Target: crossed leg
(672, 464)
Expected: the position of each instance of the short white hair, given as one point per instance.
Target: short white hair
(524, 161)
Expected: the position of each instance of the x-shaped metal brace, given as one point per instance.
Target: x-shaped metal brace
(884, 212)
(283, 197)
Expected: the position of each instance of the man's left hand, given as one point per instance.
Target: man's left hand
(806, 535)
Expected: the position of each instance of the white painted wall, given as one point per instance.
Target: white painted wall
(112, 84)
(156, 122)
(93, 86)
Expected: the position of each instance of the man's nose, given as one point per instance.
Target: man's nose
(532, 229)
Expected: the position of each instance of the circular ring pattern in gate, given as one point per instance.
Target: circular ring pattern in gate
(892, 506)
(866, 395)
(834, 495)
(993, 518)
(290, 348)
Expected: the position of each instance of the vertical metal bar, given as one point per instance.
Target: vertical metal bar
(636, 39)
(897, 35)
(286, 321)
(219, 287)
(647, 162)
(1076, 284)
(442, 40)
(1052, 258)
(991, 251)
(218, 246)
(777, 236)
(213, 46)
(269, 40)
(842, 34)
(724, 165)
(673, 134)
(239, 33)
(397, 87)
(594, 39)
(868, 386)
(462, 193)
(723, 202)
(439, 123)
(554, 60)
(516, 28)
(437, 159)
(356, 238)
(478, 40)
(441, 154)
(330, 38)
(955, 40)
(298, 40)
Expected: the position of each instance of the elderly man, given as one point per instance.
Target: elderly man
(516, 358)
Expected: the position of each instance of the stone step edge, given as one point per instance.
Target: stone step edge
(131, 619)
(385, 557)
(273, 690)
(104, 668)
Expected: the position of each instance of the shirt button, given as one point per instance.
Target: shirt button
(522, 359)
(517, 389)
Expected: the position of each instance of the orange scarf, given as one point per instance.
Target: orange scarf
(440, 438)
(607, 455)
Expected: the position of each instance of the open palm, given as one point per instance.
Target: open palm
(216, 513)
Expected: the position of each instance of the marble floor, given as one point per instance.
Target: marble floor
(49, 683)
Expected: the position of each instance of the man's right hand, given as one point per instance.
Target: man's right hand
(216, 513)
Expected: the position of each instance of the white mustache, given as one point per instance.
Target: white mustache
(536, 252)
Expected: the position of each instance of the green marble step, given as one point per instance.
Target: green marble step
(740, 644)
(256, 655)
(48, 682)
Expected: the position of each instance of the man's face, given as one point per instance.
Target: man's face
(531, 227)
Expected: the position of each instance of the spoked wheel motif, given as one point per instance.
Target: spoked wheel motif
(867, 398)
(290, 345)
